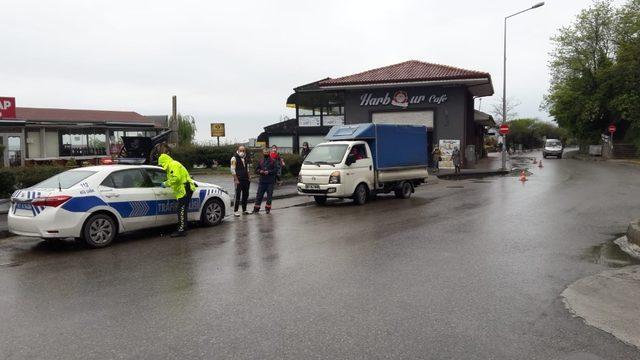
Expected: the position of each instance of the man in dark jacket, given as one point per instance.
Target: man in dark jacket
(240, 171)
(304, 152)
(267, 169)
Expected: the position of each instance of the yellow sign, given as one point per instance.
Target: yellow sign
(217, 130)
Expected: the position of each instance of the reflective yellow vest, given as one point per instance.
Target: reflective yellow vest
(177, 175)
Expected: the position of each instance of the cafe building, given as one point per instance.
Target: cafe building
(439, 97)
(42, 135)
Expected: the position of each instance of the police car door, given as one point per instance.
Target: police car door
(131, 194)
(166, 202)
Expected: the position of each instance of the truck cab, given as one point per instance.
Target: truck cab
(349, 164)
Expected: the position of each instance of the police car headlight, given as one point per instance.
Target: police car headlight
(334, 178)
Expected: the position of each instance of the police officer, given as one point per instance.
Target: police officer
(180, 182)
(267, 169)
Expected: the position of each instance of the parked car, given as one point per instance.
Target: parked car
(552, 147)
(364, 159)
(96, 203)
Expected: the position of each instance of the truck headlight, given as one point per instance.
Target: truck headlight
(334, 178)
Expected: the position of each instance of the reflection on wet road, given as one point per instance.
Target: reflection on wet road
(466, 269)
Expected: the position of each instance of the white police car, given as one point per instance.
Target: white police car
(96, 203)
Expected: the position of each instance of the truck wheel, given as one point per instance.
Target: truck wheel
(320, 200)
(212, 213)
(99, 231)
(404, 190)
(360, 195)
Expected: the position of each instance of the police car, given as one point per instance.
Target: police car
(96, 203)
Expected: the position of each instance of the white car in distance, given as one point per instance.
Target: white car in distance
(98, 202)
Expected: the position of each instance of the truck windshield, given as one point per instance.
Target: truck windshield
(326, 154)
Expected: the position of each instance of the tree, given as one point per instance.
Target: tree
(496, 109)
(627, 70)
(530, 133)
(186, 126)
(581, 63)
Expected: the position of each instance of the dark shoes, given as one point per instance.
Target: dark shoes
(267, 211)
(178, 234)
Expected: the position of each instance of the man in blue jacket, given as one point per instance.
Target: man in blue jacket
(267, 169)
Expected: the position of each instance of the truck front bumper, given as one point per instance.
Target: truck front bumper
(328, 190)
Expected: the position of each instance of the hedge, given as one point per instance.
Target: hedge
(192, 155)
(12, 179)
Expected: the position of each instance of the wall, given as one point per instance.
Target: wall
(449, 115)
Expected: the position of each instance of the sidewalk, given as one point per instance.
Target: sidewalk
(609, 300)
(489, 166)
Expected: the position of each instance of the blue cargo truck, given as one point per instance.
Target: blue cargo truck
(361, 160)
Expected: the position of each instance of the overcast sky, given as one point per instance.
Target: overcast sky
(237, 61)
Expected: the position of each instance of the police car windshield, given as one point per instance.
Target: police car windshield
(65, 180)
(326, 154)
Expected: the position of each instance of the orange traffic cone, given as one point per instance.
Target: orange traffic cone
(523, 176)
(540, 163)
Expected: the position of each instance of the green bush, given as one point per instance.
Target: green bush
(7, 182)
(191, 155)
(24, 177)
(292, 163)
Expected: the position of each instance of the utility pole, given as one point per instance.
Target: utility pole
(173, 124)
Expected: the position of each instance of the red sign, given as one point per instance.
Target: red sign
(612, 128)
(504, 129)
(7, 108)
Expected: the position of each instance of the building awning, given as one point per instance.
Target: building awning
(314, 98)
(482, 118)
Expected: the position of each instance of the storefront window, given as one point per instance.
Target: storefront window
(308, 111)
(82, 142)
(333, 110)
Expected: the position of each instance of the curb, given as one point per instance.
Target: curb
(474, 175)
(629, 248)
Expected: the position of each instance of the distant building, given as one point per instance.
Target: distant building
(37, 135)
(438, 96)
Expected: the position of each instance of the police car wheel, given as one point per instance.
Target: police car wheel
(99, 231)
(212, 213)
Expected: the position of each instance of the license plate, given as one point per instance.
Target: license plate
(313, 187)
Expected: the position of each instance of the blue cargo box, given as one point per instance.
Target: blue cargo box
(393, 146)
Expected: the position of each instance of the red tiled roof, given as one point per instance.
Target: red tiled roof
(80, 116)
(408, 71)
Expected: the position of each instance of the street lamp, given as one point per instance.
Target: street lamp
(504, 83)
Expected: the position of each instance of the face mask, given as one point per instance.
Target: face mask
(274, 155)
(241, 153)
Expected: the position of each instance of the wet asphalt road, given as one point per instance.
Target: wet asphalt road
(462, 270)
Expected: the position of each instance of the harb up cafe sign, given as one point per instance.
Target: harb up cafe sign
(400, 99)
(7, 108)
